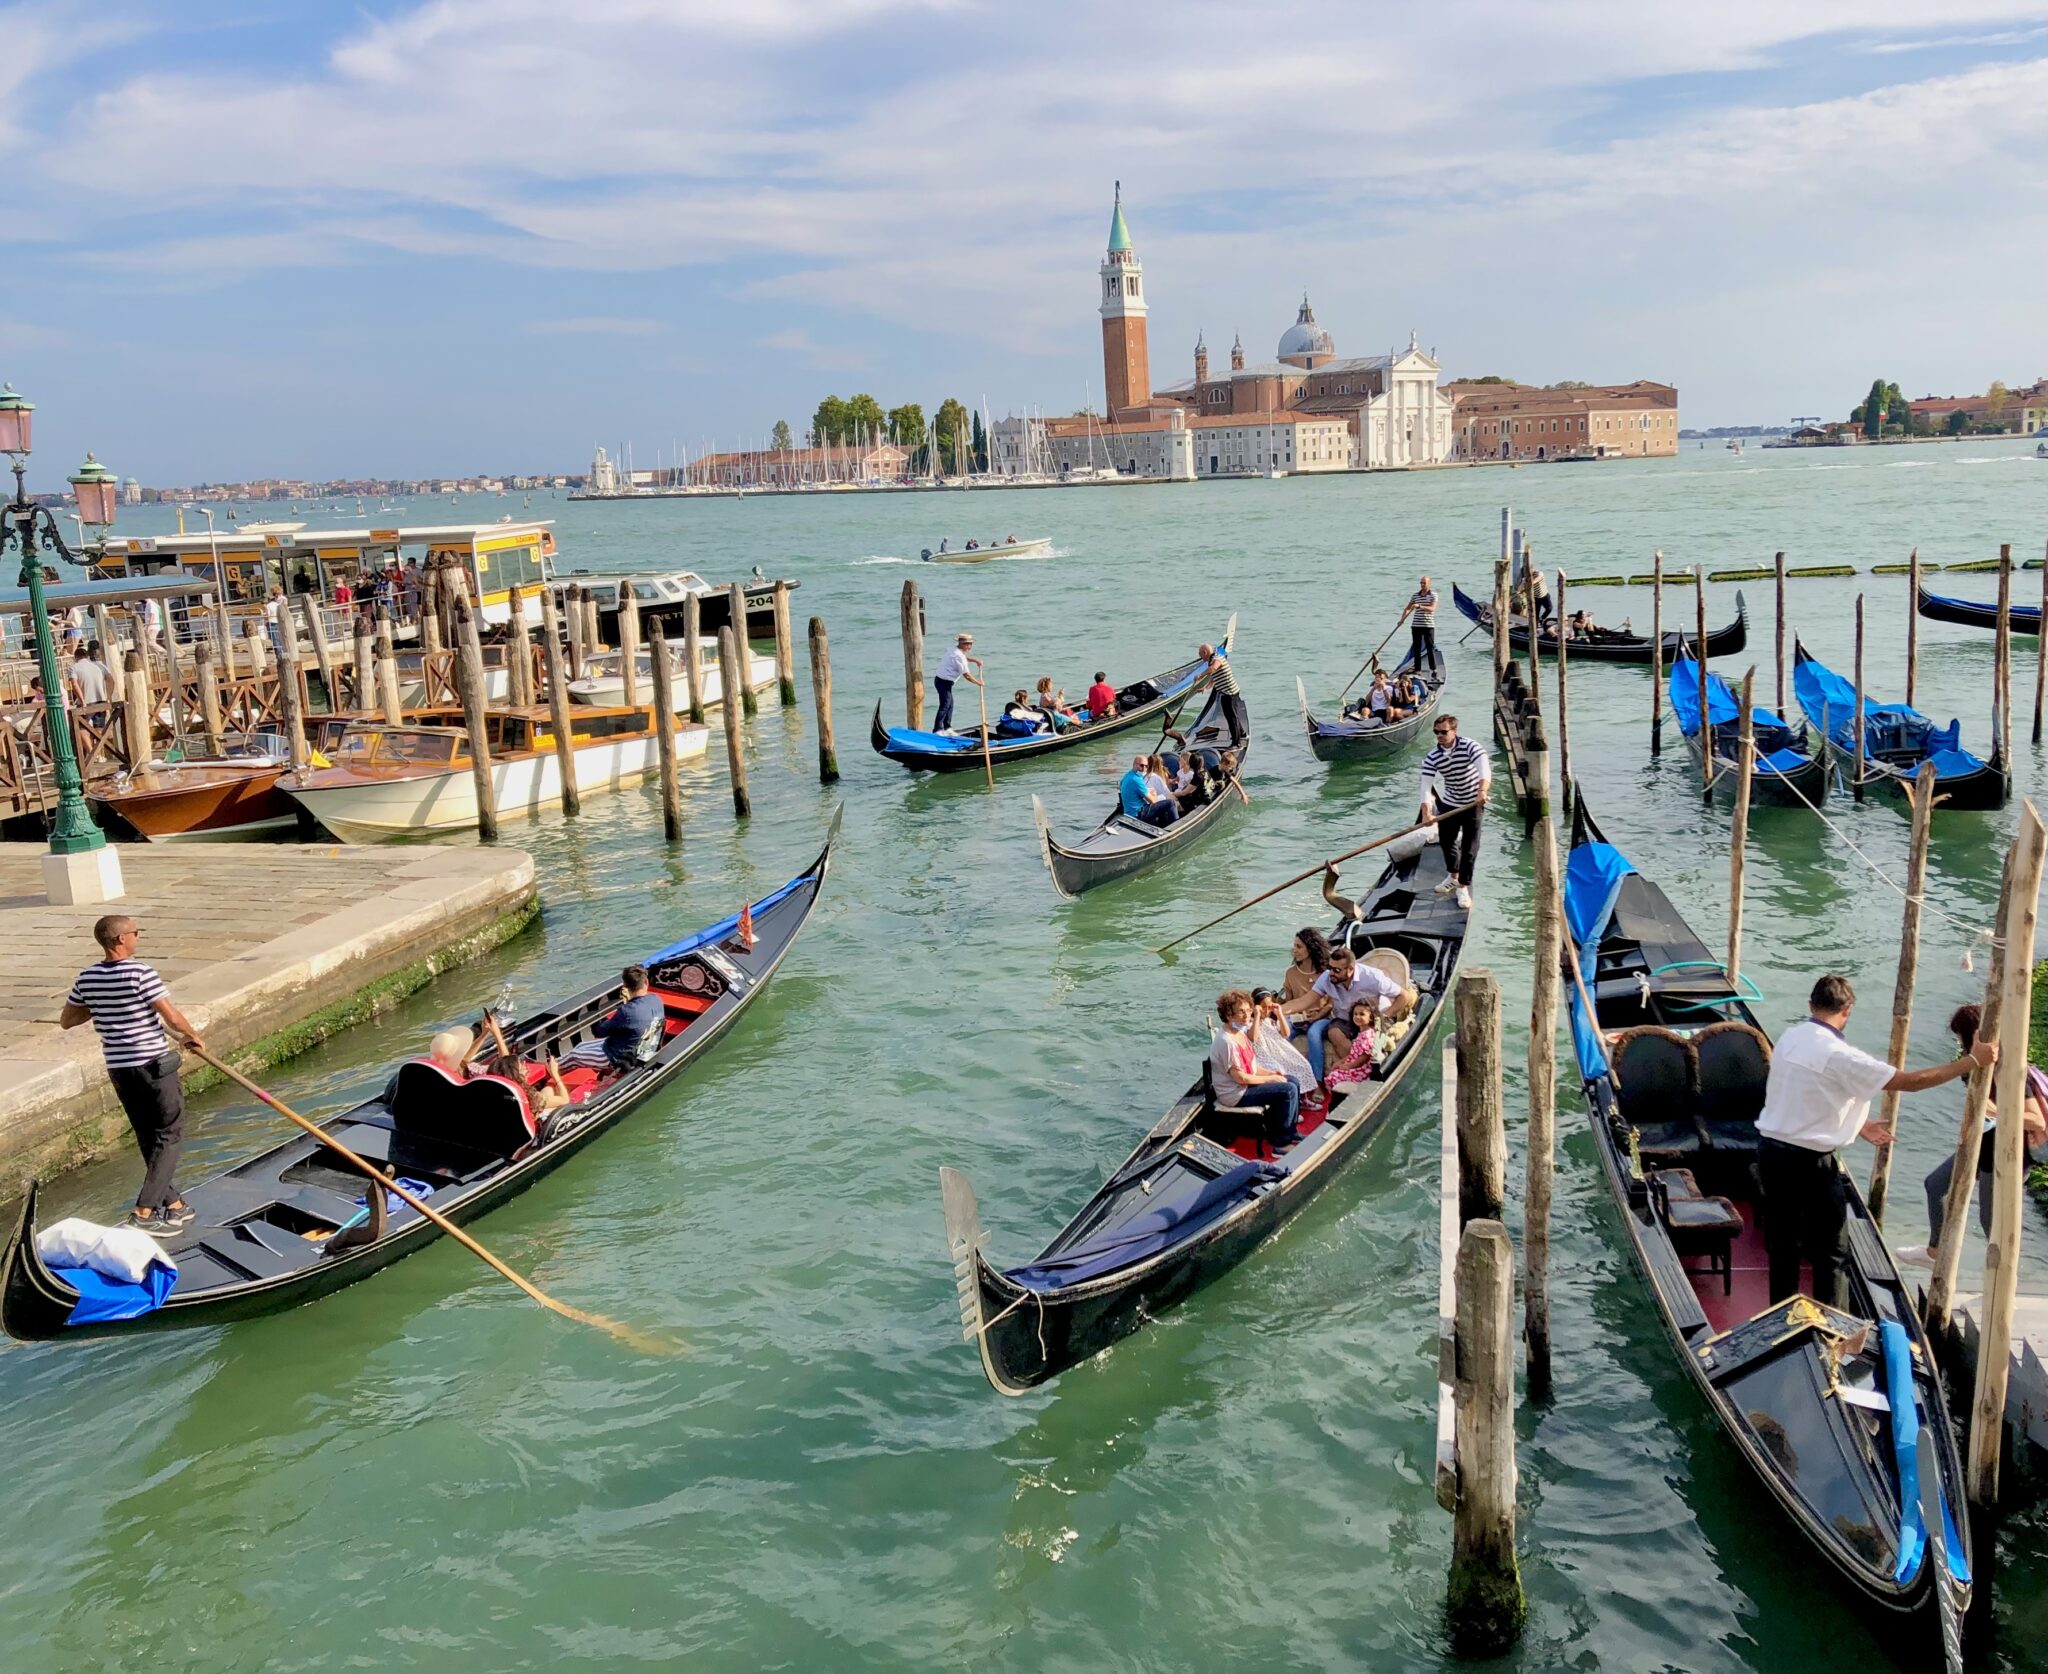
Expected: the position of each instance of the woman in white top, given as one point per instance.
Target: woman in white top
(1240, 1082)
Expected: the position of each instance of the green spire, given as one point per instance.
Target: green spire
(1119, 234)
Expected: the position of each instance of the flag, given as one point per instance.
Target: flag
(747, 926)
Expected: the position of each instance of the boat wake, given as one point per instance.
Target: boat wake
(880, 558)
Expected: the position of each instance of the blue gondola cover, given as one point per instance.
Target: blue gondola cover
(101, 1298)
(1593, 876)
(1167, 1223)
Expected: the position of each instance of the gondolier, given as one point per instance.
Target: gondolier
(1817, 1100)
(1223, 682)
(955, 665)
(1422, 635)
(1457, 773)
(128, 1006)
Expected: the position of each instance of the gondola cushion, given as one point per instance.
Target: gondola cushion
(1136, 693)
(1734, 1065)
(1655, 1078)
(485, 1113)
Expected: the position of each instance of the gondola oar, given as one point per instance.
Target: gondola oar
(1303, 877)
(988, 764)
(376, 1180)
(1369, 661)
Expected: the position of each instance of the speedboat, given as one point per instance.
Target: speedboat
(1031, 546)
(602, 681)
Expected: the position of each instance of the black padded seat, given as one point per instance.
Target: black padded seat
(1655, 1084)
(1734, 1062)
(485, 1113)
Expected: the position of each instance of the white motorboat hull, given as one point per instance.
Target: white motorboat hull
(373, 810)
(1039, 547)
(610, 689)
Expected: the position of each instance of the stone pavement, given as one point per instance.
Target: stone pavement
(252, 938)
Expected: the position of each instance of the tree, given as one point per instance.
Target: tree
(1570, 383)
(1490, 378)
(950, 433)
(831, 423)
(1958, 422)
(1873, 410)
(779, 437)
(864, 417)
(980, 445)
(906, 425)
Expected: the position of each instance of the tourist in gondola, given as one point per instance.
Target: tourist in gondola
(1356, 1064)
(1134, 795)
(620, 1039)
(1343, 984)
(1156, 784)
(1816, 1100)
(1456, 774)
(1020, 718)
(1053, 705)
(1307, 959)
(1223, 681)
(1101, 697)
(956, 665)
(1240, 1081)
(1422, 635)
(1273, 1043)
(1964, 1025)
(1190, 784)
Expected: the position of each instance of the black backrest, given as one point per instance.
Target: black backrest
(1734, 1065)
(1654, 1073)
(485, 1113)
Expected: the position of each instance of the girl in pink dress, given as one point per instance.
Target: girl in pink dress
(1357, 1064)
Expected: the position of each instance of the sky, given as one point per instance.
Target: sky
(251, 239)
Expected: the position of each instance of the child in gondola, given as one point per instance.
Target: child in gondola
(1356, 1065)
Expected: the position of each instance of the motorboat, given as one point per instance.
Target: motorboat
(602, 681)
(1031, 546)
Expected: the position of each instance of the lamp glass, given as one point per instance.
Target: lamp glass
(16, 421)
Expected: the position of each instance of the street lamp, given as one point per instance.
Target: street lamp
(30, 525)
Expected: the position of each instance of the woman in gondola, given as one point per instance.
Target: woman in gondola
(1240, 1080)
(1053, 705)
(1306, 960)
(1020, 719)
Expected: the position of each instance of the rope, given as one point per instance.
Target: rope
(1977, 933)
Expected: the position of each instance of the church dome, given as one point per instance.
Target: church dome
(1305, 337)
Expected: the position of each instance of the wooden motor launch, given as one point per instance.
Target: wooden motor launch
(388, 781)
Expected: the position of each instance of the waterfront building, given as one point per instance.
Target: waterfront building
(1606, 421)
(872, 463)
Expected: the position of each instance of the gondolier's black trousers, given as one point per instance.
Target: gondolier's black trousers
(1422, 643)
(1806, 1217)
(1234, 712)
(154, 1100)
(944, 718)
(1458, 836)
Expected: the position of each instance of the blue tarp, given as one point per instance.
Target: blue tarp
(725, 926)
(1721, 704)
(1593, 875)
(1830, 701)
(1168, 1224)
(1950, 762)
(911, 738)
(101, 1298)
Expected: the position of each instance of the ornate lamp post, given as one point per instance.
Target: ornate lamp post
(79, 866)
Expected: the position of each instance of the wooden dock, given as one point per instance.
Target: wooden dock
(268, 949)
(1518, 726)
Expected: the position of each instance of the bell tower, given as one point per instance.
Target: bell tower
(1126, 361)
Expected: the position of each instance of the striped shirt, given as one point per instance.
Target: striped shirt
(122, 996)
(1225, 677)
(1453, 776)
(1424, 606)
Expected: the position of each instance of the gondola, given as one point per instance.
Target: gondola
(1612, 645)
(1195, 1198)
(1120, 846)
(1674, 1065)
(961, 751)
(1969, 613)
(1896, 740)
(1788, 772)
(1345, 740)
(292, 1223)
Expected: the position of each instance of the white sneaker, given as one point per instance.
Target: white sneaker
(1447, 886)
(1465, 898)
(1914, 1255)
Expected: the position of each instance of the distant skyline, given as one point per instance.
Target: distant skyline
(249, 241)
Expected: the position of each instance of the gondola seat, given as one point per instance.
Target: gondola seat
(1734, 1066)
(1699, 1226)
(1656, 1081)
(431, 1110)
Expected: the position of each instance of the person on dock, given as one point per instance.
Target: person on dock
(1816, 1100)
(956, 665)
(1223, 681)
(91, 682)
(1422, 635)
(1963, 1024)
(619, 1040)
(127, 1004)
(1240, 1082)
(1134, 796)
(1456, 774)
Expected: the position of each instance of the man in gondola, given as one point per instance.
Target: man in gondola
(955, 665)
(1816, 1100)
(1223, 682)
(1422, 635)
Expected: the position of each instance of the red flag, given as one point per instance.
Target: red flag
(747, 926)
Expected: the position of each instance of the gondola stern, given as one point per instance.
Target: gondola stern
(1308, 721)
(31, 1308)
(971, 1272)
(878, 735)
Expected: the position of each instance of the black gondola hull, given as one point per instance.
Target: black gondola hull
(1969, 613)
(1340, 741)
(1986, 787)
(1806, 785)
(1613, 646)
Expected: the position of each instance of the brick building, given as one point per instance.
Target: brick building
(1608, 421)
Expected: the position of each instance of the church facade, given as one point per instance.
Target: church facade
(1308, 409)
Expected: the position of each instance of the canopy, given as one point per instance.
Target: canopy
(1593, 876)
(1721, 704)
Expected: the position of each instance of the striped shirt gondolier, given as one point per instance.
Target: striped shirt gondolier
(122, 998)
(1453, 775)
(1425, 607)
(1225, 679)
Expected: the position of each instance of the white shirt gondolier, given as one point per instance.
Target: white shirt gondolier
(1457, 773)
(956, 665)
(1422, 651)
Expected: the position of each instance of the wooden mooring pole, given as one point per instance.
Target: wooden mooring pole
(469, 682)
(664, 718)
(1657, 653)
(2001, 700)
(750, 706)
(735, 752)
(693, 656)
(1699, 652)
(1902, 989)
(1564, 723)
(572, 608)
(364, 697)
(629, 647)
(291, 691)
(2002, 1248)
(387, 674)
(1778, 565)
(323, 655)
(1503, 621)
(1542, 1136)
(519, 655)
(136, 703)
(2040, 650)
(785, 647)
(1738, 849)
(821, 695)
(430, 609)
(209, 700)
(1485, 1607)
(1482, 1133)
(558, 702)
(1913, 624)
(1856, 732)
(912, 610)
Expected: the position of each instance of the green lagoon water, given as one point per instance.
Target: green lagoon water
(428, 1472)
